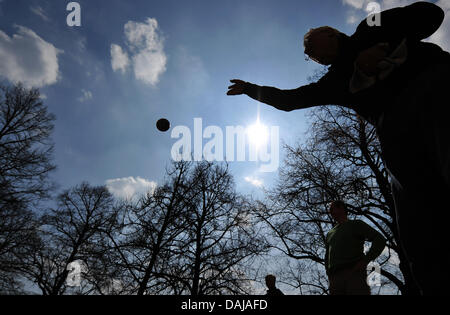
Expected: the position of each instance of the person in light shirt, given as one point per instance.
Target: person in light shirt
(345, 261)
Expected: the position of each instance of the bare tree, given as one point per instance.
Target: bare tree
(151, 226)
(70, 234)
(17, 238)
(25, 146)
(190, 236)
(25, 163)
(340, 160)
(220, 241)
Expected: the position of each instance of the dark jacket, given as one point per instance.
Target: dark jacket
(274, 292)
(413, 23)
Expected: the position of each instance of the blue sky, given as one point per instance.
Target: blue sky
(133, 62)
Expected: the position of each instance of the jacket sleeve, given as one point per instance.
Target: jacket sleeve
(413, 22)
(327, 91)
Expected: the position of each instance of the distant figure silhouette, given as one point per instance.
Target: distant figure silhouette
(398, 83)
(345, 261)
(272, 289)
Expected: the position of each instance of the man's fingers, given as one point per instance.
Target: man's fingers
(234, 92)
(236, 81)
(237, 88)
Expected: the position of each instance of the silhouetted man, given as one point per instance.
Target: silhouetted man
(345, 261)
(399, 84)
(272, 289)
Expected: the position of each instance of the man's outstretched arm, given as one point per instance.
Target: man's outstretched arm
(323, 92)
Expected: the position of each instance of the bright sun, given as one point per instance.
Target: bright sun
(257, 134)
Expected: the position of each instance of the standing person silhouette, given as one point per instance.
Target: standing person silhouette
(345, 261)
(272, 289)
(398, 83)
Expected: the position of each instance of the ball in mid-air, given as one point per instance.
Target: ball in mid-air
(163, 125)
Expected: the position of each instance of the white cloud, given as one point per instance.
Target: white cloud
(130, 187)
(363, 7)
(28, 58)
(356, 13)
(39, 12)
(385, 4)
(146, 48)
(148, 66)
(254, 181)
(357, 4)
(389, 4)
(87, 95)
(119, 58)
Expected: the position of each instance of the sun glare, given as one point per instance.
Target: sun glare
(257, 134)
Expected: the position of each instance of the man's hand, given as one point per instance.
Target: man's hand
(368, 59)
(237, 88)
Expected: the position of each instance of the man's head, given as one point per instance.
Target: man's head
(270, 281)
(338, 210)
(322, 44)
